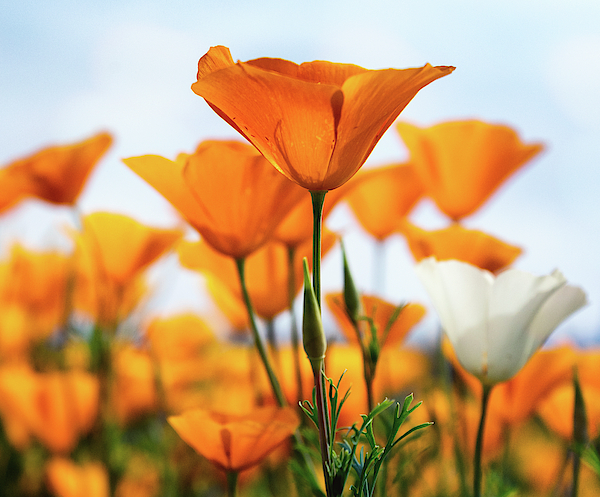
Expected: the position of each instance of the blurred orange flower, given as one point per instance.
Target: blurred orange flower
(235, 442)
(455, 242)
(33, 297)
(67, 479)
(316, 122)
(514, 401)
(226, 190)
(112, 250)
(266, 276)
(384, 196)
(556, 410)
(399, 371)
(55, 174)
(55, 407)
(461, 163)
(181, 345)
(134, 386)
(380, 312)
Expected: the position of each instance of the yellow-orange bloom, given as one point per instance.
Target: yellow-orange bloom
(316, 122)
(456, 242)
(380, 312)
(134, 387)
(235, 442)
(55, 174)
(33, 297)
(111, 253)
(266, 273)
(56, 407)
(462, 163)
(226, 190)
(67, 479)
(383, 196)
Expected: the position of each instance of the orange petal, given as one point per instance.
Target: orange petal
(462, 163)
(456, 242)
(372, 102)
(383, 196)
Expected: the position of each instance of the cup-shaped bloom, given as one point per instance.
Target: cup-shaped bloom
(496, 323)
(316, 122)
(383, 196)
(55, 174)
(462, 163)
(456, 242)
(226, 190)
(235, 442)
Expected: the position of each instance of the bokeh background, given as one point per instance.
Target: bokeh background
(71, 68)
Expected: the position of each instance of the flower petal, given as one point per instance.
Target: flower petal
(517, 297)
(289, 121)
(461, 294)
(372, 102)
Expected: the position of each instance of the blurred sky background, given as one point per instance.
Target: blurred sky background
(69, 69)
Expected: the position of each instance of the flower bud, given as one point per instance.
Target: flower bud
(351, 297)
(313, 335)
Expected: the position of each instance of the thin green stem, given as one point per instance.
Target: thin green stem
(318, 198)
(323, 419)
(232, 477)
(295, 334)
(257, 339)
(479, 444)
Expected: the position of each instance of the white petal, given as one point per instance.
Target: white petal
(460, 293)
(555, 310)
(516, 300)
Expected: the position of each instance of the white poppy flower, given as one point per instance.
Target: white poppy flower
(496, 323)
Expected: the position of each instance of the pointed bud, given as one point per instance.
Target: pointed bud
(580, 434)
(351, 297)
(313, 335)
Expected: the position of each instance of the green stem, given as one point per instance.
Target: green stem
(295, 334)
(232, 477)
(323, 419)
(257, 339)
(318, 198)
(479, 444)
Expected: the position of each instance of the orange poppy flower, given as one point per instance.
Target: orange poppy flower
(462, 163)
(226, 190)
(266, 272)
(235, 442)
(54, 174)
(33, 296)
(56, 407)
(316, 122)
(383, 196)
(514, 401)
(112, 251)
(134, 388)
(557, 409)
(67, 479)
(456, 242)
(380, 312)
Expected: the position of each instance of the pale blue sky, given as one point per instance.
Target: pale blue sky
(71, 68)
